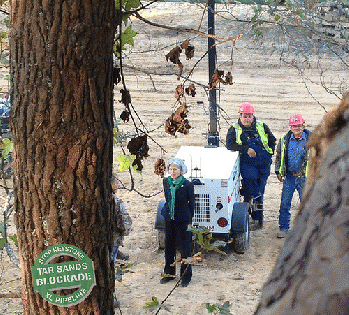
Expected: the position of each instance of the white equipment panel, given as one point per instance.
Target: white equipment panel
(215, 172)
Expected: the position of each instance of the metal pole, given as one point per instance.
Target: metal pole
(213, 135)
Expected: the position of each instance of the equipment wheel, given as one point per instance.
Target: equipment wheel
(240, 227)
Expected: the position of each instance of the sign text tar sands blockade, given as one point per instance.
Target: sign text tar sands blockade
(68, 275)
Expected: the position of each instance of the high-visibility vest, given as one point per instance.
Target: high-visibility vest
(282, 162)
(261, 132)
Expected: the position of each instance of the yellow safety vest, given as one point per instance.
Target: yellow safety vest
(261, 132)
(282, 162)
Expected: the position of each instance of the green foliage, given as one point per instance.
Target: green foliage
(204, 239)
(3, 36)
(127, 38)
(14, 238)
(155, 305)
(2, 228)
(118, 136)
(125, 161)
(127, 5)
(3, 240)
(121, 270)
(219, 309)
(6, 147)
(2, 243)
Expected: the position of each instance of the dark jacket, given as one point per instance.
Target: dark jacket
(247, 134)
(184, 202)
(286, 138)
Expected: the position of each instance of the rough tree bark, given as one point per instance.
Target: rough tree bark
(62, 121)
(311, 275)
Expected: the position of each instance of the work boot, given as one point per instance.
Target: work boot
(282, 234)
(257, 217)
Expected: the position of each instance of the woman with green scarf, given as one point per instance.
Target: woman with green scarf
(178, 212)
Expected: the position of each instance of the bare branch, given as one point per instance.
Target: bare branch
(187, 30)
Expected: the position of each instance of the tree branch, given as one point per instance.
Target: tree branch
(187, 30)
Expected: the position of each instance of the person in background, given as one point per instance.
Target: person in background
(291, 165)
(256, 144)
(123, 223)
(178, 212)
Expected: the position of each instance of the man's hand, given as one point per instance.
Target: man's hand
(280, 178)
(251, 153)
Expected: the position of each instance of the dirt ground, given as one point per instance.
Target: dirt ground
(275, 90)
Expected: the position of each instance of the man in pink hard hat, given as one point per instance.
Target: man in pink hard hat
(291, 166)
(255, 143)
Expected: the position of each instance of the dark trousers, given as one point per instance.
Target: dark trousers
(176, 234)
(254, 179)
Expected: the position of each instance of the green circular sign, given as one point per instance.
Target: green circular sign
(68, 275)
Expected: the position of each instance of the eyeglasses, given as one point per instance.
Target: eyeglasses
(297, 126)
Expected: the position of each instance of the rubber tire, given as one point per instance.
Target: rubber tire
(242, 240)
(240, 227)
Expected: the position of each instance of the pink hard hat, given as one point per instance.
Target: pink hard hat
(296, 119)
(246, 108)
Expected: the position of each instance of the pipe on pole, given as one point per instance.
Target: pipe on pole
(213, 134)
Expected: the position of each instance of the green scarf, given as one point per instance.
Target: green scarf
(174, 185)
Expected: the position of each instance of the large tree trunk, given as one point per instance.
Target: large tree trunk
(311, 275)
(62, 120)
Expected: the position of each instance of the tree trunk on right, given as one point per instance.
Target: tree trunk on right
(311, 275)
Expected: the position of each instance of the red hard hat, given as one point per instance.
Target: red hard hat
(246, 108)
(296, 119)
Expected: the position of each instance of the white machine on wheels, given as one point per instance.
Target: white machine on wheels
(214, 171)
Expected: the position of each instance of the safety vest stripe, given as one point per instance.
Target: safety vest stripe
(261, 132)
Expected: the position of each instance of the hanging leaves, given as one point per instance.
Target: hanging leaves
(125, 116)
(217, 78)
(174, 54)
(191, 90)
(125, 161)
(178, 122)
(6, 146)
(138, 146)
(125, 97)
(189, 50)
(126, 100)
(229, 78)
(126, 38)
(160, 167)
(179, 92)
(116, 75)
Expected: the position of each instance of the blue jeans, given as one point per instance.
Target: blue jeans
(115, 253)
(291, 183)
